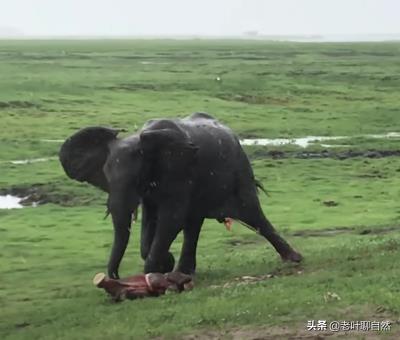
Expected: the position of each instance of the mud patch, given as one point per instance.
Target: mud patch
(345, 230)
(27, 196)
(289, 270)
(241, 242)
(133, 87)
(17, 104)
(341, 155)
(253, 99)
(39, 194)
(22, 324)
(330, 203)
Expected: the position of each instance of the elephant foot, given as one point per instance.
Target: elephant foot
(164, 265)
(293, 256)
(186, 269)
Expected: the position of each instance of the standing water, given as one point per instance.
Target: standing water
(306, 141)
(10, 202)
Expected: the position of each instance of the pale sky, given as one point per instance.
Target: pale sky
(202, 17)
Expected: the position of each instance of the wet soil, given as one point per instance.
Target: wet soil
(38, 194)
(17, 104)
(253, 99)
(341, 155)
(345, 230)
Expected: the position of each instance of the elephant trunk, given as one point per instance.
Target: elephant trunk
(121, 239)
(122, 220)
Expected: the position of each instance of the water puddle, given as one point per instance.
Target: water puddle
(14, 202)
(10, 202)
(386, 135)
(32, 160)
(53, 140)
(34, 195)
(306, 141)
(303, 142)
(153, 63)
(335, 146)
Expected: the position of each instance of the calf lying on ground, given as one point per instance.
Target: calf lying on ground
(143, 285)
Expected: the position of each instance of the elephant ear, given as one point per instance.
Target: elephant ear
(84, 154)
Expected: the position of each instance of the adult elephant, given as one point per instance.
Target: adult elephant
(181, 171)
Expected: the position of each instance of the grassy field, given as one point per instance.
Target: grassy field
(342, 213)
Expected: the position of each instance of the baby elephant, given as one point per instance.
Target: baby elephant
(143, 285)
(181, 171)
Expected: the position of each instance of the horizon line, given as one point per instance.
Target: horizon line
(332, 37)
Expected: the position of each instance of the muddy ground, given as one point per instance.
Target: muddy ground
(277, 154)
(38, 194)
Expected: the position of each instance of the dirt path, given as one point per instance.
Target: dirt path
(274, 333)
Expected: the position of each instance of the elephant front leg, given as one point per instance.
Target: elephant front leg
(121, 206)
(191, 232)
(122, 229)
(169, 224)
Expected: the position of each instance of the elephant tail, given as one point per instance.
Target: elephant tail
(260, 186)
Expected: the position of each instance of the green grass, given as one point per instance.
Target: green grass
(48, 256)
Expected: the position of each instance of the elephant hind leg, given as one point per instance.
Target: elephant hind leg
(253, 217)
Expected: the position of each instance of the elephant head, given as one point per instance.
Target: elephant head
(84, 154)
(125, 168)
